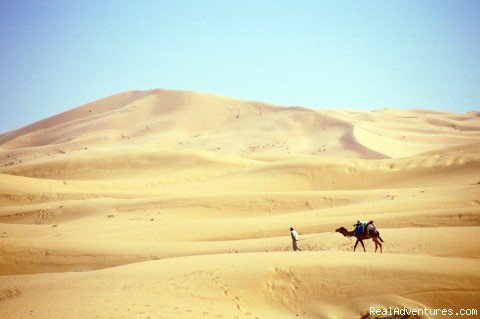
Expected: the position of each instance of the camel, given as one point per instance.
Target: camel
(373, 234)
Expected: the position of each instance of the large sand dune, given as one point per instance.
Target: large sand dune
(172, 204)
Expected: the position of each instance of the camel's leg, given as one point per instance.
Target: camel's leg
(361, 242)
(377, 244)
(356, 243)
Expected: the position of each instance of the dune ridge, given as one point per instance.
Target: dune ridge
(177, 204)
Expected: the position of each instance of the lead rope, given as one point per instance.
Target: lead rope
(309, 237)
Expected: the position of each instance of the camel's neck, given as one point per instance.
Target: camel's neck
(347, 233)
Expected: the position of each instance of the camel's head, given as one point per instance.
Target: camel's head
(342, 230)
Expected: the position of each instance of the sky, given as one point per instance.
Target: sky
(56, 55)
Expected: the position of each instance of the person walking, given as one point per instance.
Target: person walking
(295, 239)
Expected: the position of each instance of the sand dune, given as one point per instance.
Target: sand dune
(188, 120)
(280, 285)
(174, 204)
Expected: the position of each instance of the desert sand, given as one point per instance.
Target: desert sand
(176, 204)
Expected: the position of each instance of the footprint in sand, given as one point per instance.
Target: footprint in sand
(44, 216)
(10, 293)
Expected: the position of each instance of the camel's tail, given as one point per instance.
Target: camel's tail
(378, 234)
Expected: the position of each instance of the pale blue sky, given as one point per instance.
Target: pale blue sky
(55, 55)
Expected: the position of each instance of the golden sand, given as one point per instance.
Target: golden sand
(172, 204)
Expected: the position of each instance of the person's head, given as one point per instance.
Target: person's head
(292, 228)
